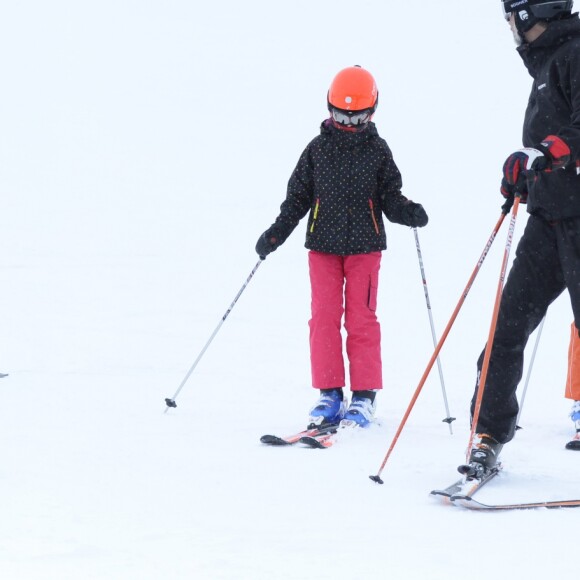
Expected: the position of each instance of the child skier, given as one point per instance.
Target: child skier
(573, 384)
(346, 178)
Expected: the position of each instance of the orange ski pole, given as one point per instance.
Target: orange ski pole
(487, 355)
(377, 478)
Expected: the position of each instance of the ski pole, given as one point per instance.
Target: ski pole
(529, 374)
(486, 358)
(448, 419)
(171, 402)
(377, 478)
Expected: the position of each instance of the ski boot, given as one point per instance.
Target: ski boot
(361, 411)
(574, 443)
(482, 459)
(328, 410)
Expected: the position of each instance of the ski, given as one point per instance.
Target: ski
(574, 444)
(462, 491)
(2, 375)
(464, 488)
(326, 440)
(319, 442)
(312, 432)
(470, 503)
(450, 490)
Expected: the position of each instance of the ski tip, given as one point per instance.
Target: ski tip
(170, 403)
(376, 479)
(459, 497)
(273, 440)
(313, 443)
(574, 445)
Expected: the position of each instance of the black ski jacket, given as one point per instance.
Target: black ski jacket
(346, 180)
(553, 60)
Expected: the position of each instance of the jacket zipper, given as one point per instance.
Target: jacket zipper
(373, 216)
(315, 215)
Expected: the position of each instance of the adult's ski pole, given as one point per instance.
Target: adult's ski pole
(529, 373)
(494, 317)
(377, 478)
(171, 402)
(448, 419)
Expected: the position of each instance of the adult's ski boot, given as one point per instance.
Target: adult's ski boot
(483, 457)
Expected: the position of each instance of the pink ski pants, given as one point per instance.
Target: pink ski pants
(345, 285)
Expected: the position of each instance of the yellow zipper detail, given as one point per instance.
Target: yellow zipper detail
(315, 216)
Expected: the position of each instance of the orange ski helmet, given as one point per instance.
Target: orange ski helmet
(353, 89)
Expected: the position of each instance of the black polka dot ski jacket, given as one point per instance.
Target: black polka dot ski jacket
(347, 181)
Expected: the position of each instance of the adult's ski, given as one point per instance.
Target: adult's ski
(464, 488)
(461, 494)
(313, 432)
(470, 503)
(449, 491)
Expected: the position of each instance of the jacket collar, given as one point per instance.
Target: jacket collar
(347, 137)
(558, 32)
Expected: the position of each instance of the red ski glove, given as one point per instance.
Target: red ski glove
(552, 153)
(556, 151)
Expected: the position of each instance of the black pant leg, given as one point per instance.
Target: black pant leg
(568, 237)
(534, 282)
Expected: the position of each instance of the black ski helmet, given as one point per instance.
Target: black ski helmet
(529, 12)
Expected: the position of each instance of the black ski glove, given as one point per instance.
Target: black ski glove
(414, 215)
(268, 242)
(509, 192)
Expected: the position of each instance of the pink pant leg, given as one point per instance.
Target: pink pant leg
(327, 282)
(363, 342)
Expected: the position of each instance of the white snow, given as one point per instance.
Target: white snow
(145, 146)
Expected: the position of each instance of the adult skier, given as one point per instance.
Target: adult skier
(545, 173)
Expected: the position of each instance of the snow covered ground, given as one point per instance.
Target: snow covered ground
(144, 146)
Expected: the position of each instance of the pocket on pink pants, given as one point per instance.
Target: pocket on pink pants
(373, 291)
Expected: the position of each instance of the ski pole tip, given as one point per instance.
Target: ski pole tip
(376, 479)
(170, 403)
